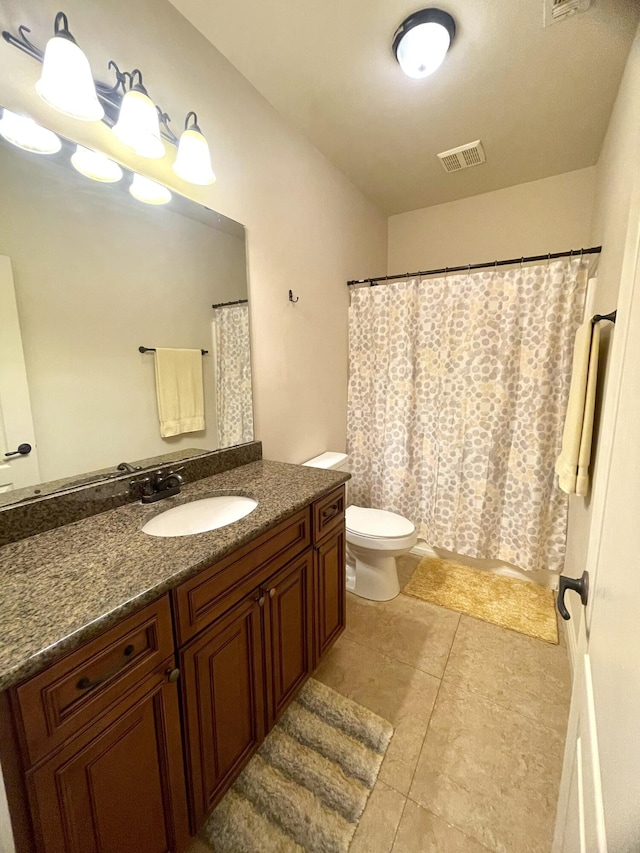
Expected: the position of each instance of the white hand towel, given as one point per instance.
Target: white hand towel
(572, 466)
(179, 388)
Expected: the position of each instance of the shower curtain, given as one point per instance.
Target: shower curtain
(234, 404)
(457, 393)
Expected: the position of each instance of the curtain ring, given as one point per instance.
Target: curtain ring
(446, 271)
(548, 259)
(495, 267)
(521, 261)
(469, 270)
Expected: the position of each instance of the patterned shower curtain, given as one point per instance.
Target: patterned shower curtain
(234, 403)
(457, 393)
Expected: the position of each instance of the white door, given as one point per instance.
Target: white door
(16, 423)
(599, 806)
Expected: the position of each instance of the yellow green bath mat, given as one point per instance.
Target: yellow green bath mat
(511, 603)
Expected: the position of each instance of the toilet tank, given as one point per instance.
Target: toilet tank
(331, 460)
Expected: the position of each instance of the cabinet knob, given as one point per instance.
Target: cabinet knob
(272, 592)
(173, 675)
(261, 601)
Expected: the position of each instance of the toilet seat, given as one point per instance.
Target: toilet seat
(377, 523)
(379, 529)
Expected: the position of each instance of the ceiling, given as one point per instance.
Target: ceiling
(538, 98)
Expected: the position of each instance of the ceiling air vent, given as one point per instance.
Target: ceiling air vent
(471, 154)
(558, 10)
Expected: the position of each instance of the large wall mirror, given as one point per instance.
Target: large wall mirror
(97, 274)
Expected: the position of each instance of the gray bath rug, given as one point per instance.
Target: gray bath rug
(308, 784)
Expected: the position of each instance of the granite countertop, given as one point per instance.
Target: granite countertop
(63, 587)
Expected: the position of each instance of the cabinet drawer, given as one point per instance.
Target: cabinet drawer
(328, 513)
(69, 695)
(199, 601)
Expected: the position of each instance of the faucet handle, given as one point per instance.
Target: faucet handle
(143, 486)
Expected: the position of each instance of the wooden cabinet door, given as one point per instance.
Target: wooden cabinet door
(120, 789)
(223, 693)
(329, 592)
(288, 617)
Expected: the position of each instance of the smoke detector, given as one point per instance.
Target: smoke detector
(558, 10)
(463, 157)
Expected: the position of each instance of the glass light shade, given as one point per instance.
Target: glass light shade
(423, 49)
(138, 125)
(95, 165)
(66, 82)
(193, 161)
(25, 133)
(149, 191)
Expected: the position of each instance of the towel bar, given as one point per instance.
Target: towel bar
(153, 349)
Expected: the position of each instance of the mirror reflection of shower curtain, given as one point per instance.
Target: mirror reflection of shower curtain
(233, 375)
(458, 388)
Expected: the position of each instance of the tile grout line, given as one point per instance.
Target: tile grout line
(455, 826)
(395, 834)
(390, 657)
(435, 702)
(503, 707)
(407, 796)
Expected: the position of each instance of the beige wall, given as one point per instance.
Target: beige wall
(615, 225)
(550, 215)
(308, 228)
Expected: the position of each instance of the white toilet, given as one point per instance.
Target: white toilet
(375, 538)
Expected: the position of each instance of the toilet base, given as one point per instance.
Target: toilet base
(376, 576)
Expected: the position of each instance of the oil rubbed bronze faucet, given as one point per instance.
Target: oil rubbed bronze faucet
(158, 485)
(130, 469)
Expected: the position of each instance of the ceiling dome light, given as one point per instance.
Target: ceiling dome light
(193, 161)
(26, 134)
(421, 42)
(138, 125)
(66, 82)
(96, 165)
(149, 191)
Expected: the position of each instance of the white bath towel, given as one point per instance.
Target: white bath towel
(572, 466)
(179, 388)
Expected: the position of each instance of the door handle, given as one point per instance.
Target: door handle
(23, 450)
(579, 585)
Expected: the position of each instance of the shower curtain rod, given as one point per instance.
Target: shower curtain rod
(225, 304)
(372, 282)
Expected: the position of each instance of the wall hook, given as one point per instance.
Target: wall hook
(291, 299)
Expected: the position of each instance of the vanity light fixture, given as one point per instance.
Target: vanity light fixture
(125, 106)
(25, 133)
(422, 40)
(193, 161)
(148, 191)
(66, 82)
(138, 125)
(95, 165)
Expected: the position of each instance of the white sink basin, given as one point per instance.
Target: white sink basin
(200, 516)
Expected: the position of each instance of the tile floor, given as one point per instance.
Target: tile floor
(480, 715)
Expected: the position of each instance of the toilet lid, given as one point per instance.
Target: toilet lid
(377, 523)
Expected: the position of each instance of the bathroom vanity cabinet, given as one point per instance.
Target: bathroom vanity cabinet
(127, 743)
